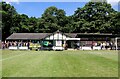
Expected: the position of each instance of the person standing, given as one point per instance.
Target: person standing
(111, 45)
(28, 45)
(101, 45)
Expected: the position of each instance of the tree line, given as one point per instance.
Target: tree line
(94, 17)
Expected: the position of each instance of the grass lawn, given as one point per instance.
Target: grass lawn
(70, 63)
(0, 64)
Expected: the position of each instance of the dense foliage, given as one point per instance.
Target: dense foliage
(94, 17)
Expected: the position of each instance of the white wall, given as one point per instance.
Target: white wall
(57, 36)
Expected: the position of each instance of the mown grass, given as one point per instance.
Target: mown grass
(0, 63)
(60, 63)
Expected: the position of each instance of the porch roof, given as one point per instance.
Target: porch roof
(27, 36)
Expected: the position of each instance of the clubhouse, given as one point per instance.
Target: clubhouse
(82, 41)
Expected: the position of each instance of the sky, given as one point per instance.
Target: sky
(35, 8)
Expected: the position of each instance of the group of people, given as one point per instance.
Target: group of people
(104, 45)
(14, 44)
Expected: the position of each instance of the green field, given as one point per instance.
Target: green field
(72, 63)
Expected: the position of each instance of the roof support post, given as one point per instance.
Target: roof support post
(116, 43)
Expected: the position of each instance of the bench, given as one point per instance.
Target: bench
(96, 48)
(57, 48)
(23, 48)
(13, 48)
(86, 48)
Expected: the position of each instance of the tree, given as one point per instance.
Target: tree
(53, 19)
(96, 15)
(115, 23)
(7, 14)
(33, 24)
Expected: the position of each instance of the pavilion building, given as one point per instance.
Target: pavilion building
(59, 38)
